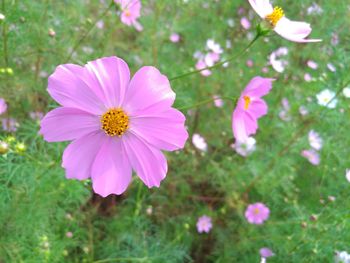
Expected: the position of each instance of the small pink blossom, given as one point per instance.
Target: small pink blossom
(257, 213)
(245, 23)
(3, 106)
(250, 63)
(266, 252)
(175, 38)
(131, 11)
(312, 64)
(69, 234)
(245, 148)
(199, 142)
(312, 156)
(201, 65)
(250, 107)
(288, 29)
(307, 77)
(277, 61)
(9, 124)
(204, 224)
(218, 102)
(315, 140)
(347, 175)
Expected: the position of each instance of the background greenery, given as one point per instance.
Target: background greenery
(38, 206)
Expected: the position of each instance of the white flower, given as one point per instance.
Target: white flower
(213, 46)
(245, 148)
(2, 17)
(346, 92)
(342, 257)
(199, 142)
(347, 175)
(315, 140)
(327, 98)
(279, 64)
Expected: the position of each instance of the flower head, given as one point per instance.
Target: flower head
(291, 30)
(204, 224)
(245, 148)
(3, 106)
(199, 142)
(327, 98)
(315, 140)
(131, 11)
(312, 156)
(116, 125)
(257, 213)
(175, 38)
(250, 107)
(265, 252)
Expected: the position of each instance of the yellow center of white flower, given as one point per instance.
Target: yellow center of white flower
(247, 101)
(115, 122)
(275, 16)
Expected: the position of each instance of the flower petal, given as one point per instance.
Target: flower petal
(65, 124)
(148, 87)
(243, 125)
(79, 156)
(148, 162)
(258, 108)
(294, 31)
(67, 87)
(111, 76)
(164, 130)
(261, 7)
(258, 87)
(111, 170)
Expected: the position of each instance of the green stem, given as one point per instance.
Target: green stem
(204, 102)
(88, 31)
(221, 62)
(4, 36)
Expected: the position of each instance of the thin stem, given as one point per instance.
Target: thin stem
(88, 31)
(4, 36)
(219, 63)
(204, 102)
(292, 141)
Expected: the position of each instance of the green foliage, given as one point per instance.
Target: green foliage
(38, 206)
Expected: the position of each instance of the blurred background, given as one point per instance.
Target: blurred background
(296, 164)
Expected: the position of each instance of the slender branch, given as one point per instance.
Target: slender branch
(201, 103)
(219, 63)
(75, 47)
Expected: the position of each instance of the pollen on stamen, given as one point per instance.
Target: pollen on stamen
(115, 122)
(247, 101)
(275, 16)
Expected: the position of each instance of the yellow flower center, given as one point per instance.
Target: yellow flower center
(127, 12)
(115, 122)
(275, 16)
(247, 101)
(256, 211)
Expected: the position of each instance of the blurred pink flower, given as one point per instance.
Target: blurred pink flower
(250, 107)
(266, 252)
(9, 124)
(131, 11)
(175, 38)
(245, 148)
(290, 30)
(3, 106)
(201, 65)
(312, 64)
(277, 61)
(315, 140)
(245, 23)
(218, 102)
(116, 124)
(347, 175)
(250, 63)
(204, 224)
(307, 77)
(257, 213)
(312, 156)
(199, 142)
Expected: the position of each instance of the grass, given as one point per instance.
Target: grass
(39, 206)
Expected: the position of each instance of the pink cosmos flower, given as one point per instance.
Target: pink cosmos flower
(175, 38)
(9, 124)
(199, 142)
(131, 11)
(312, 64)
(290, 30)
(250, 107)
(218, 102)
(116, 125)
(245, 23)
(3, 106)
(257, 213)
(265, 252)
(312, 156)
(204, 224)
(315, 140)
(201, 65)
